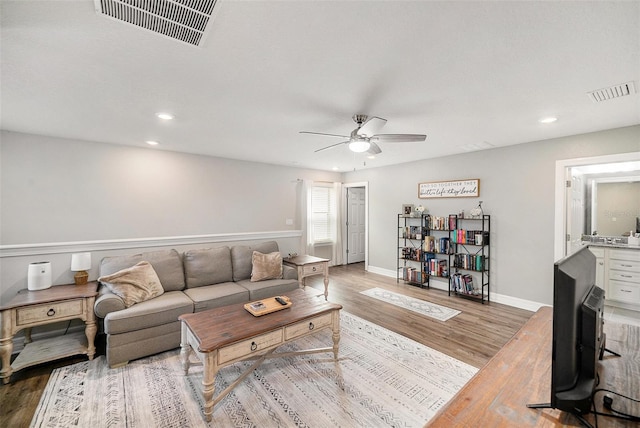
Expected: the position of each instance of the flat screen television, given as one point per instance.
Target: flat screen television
(578, 337)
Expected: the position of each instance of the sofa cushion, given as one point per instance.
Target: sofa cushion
(160, 310)
(135, 284)
(166, 263)
(268, 288)
(214, 296)
(241, 257)
(266, 266)
(207, 266)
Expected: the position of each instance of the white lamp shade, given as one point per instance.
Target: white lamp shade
(359, 146)
(80, 261)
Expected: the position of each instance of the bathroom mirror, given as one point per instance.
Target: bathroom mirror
(615, 207)
(611, 201)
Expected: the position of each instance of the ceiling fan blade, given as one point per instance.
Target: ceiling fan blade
(331, 146)
(322, 133)
(374, 149)
(372, 125)
(398, 138)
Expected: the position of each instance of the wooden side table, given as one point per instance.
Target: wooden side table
(309, 266)
(33, 308)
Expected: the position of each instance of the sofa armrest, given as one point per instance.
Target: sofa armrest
(107, 302)
(289, 272)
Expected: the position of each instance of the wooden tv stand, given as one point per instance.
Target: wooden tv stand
(520, 374)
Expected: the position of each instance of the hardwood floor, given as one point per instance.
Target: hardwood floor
(473, 336)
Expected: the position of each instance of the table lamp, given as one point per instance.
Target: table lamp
(81, 263)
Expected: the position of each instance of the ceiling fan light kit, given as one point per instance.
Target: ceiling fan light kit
(364, 137)
(359, 146)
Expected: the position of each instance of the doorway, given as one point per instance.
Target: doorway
(569, 204)
(355, 225)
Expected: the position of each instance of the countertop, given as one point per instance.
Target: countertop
(607, 245)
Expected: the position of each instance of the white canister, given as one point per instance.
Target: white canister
(39, 276)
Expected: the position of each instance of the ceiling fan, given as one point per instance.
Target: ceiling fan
(364, 137)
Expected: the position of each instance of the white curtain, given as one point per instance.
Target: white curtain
(307, 221)
(336, 251)
(307, 218)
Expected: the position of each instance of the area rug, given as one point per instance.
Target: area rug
(441, 313)
(389, 381)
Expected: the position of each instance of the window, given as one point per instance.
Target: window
(323, 211)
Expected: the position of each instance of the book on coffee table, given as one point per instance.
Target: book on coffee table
(267, 306)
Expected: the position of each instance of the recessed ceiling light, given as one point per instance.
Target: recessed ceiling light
(152, 143)
(164, 116)
(335, 168)
(371, 157)
(549, 119)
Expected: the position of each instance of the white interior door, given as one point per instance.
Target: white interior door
(356, 230)
(575, 217)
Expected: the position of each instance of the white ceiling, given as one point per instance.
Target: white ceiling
(464, 73)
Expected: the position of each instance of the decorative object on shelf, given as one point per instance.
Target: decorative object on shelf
(407, 209)
(81, 263)
(478, 211)
(449, 189)
(419, 210)
(39, 276)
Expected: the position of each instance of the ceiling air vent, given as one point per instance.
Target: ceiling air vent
(183, 20)
(615, 91)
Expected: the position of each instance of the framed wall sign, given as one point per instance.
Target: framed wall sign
(449, 189)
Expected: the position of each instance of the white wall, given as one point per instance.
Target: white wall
(63, 191)
(517, 187)
(86, 196)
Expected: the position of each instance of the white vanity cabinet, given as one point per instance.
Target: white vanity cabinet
(618, 274)
(623, 276)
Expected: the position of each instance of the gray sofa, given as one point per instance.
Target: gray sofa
(194, 281)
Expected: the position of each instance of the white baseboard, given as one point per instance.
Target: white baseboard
(516, 302)
(381, 271)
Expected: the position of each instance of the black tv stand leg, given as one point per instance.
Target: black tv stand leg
(604, 348)
(540, 406)
(612, 352)
(578, 416)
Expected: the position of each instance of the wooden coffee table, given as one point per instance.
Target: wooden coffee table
(226, 335)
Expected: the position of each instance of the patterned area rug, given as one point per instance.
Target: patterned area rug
(429, 309)
(389, 381)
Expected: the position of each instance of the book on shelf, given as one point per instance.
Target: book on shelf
(463, 284)
(453, 222)
(438, 267)
(436, 245)
(469, 261)
(411, 274)
(473, 237)
(413, 232)
(412, 253)
(437, 223)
